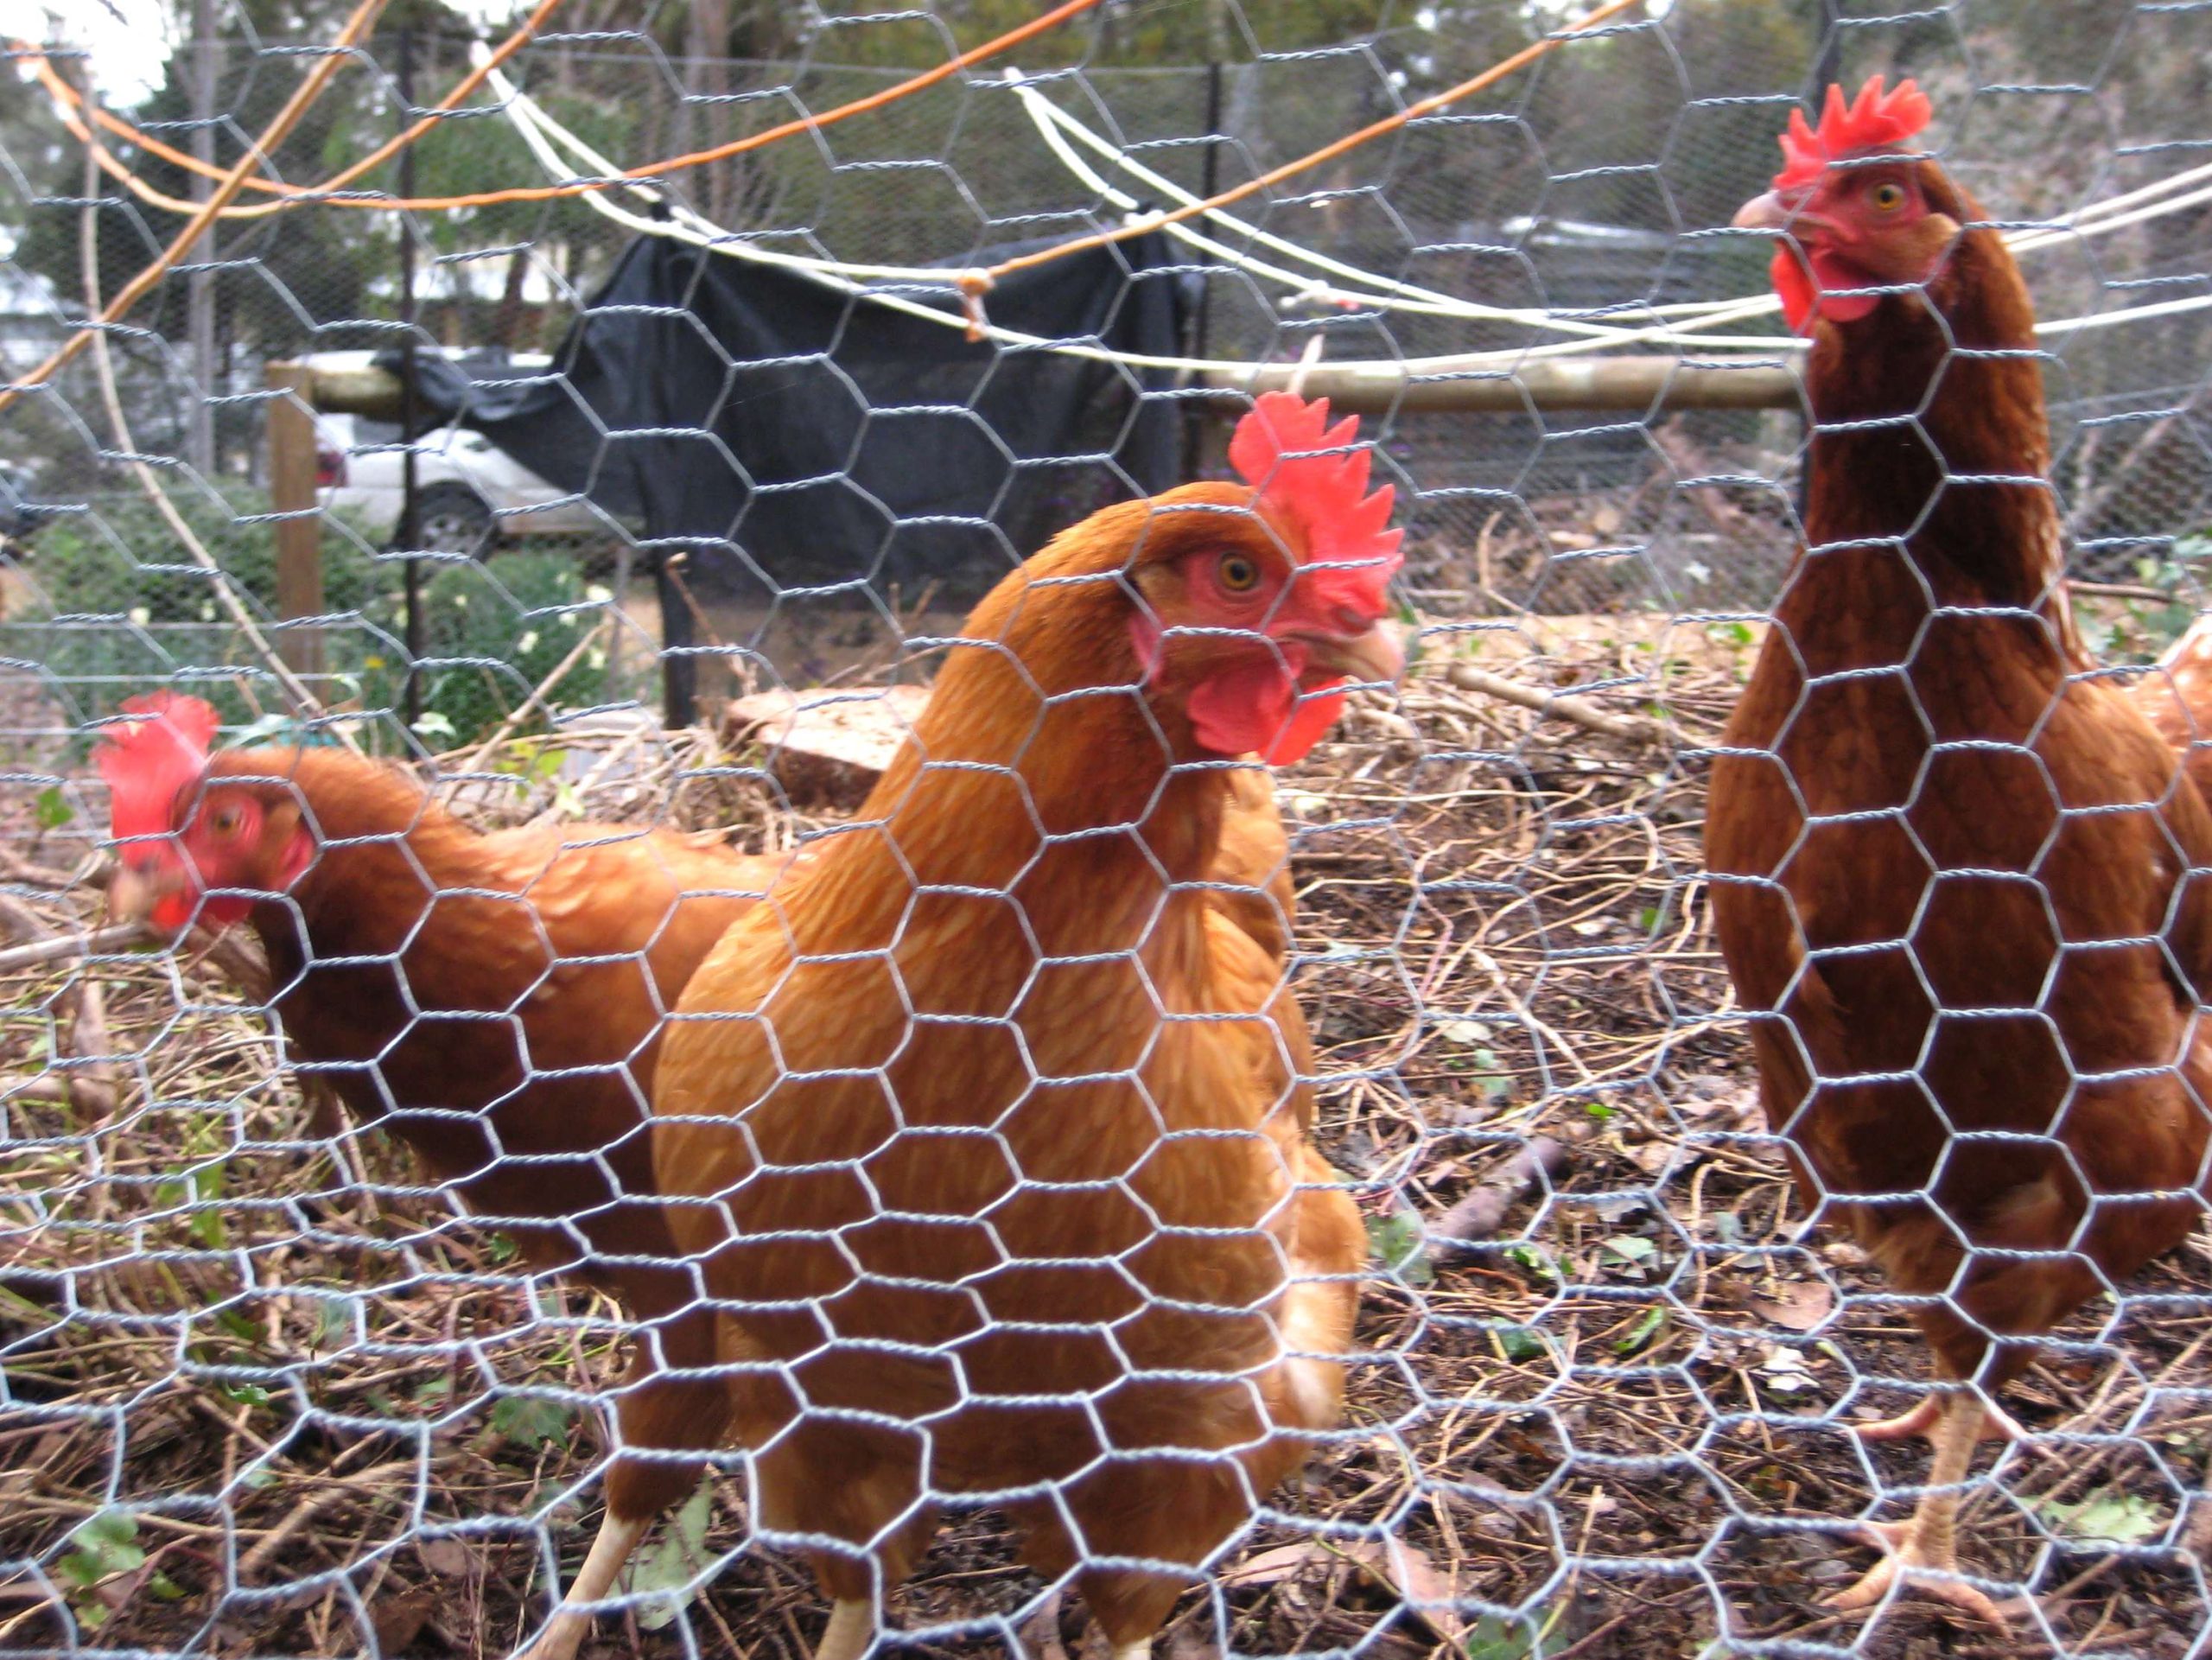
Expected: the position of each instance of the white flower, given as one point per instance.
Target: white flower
(527, 644)
(206, 611)
(461, 601)
(599, 593)
(596, 658)
(140, 615)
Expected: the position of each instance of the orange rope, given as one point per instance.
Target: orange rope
(65, 96)
(303, 97)
(979, 280)
(293, 195)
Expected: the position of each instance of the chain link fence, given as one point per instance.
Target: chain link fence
(330, 1246)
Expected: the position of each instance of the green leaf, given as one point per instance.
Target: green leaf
(1397, 1241)
(1646, 1329)
(1536, 1261)
(664, 1572)
(1521, 1343)
(106, 1544)
(2107, 1516)
(50, 810)
(1631, 1248)
(502, 1250)
(207, 1224)
(532, 1419)
(246, 1394)
(1492, 1638)
(239, 1326)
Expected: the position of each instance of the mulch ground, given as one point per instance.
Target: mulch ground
(265, 1394)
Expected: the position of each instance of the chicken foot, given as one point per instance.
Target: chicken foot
(1997, 1424)
(851, 1631)
(610, 1552)
(1923, 1551)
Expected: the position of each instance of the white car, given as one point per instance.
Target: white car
(467, 489)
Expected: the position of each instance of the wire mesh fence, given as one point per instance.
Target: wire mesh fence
(915, 1145)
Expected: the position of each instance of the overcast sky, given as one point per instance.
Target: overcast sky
(130, 40)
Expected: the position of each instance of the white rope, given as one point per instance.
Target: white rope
(546, 139)
(2097, 219)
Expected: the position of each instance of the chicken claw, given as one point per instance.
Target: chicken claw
(1928, 1572)
(1997, 1425)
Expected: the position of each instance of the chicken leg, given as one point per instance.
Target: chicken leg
(1924, 1550)
(610, 1551)
(850, 1630)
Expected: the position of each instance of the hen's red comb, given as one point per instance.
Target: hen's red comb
(148, 762)
(1314, 473)
(1875, 119)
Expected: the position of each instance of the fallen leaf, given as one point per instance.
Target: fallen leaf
(1785, 1372)
(1408, 1570)
(1277, 1563)
(448, 1558)
(399, 1620)
(665, 1571)
(1405, 1569)
(1798, 1308)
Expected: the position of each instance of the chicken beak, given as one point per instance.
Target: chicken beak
(1781, 214)
(1767, 212)
(1375, 656)
(134, 894)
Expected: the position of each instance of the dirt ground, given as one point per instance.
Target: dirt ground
(264, 1394)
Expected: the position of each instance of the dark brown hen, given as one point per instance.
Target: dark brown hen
(1959, 887)
(496, 1001)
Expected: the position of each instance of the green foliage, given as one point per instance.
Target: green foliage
(107, 1566)
(117, 609)
(1399, 1242)
(2139, 627)
(491, 633)
(533, 1419)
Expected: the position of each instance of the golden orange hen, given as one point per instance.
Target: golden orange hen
(1960, 887)
(994, 1130)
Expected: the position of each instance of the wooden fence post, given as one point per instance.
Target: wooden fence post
(292, 492)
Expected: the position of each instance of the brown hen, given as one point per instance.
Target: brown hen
(1957, 885)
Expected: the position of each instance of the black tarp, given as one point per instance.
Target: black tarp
(791, 437)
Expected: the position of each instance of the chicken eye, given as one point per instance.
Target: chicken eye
(1239, 574)
(225, 821)
(1887, 196)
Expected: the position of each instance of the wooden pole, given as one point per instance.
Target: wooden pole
(1650, 382)
(1644, 383)
(410, 516)
(292, 492)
